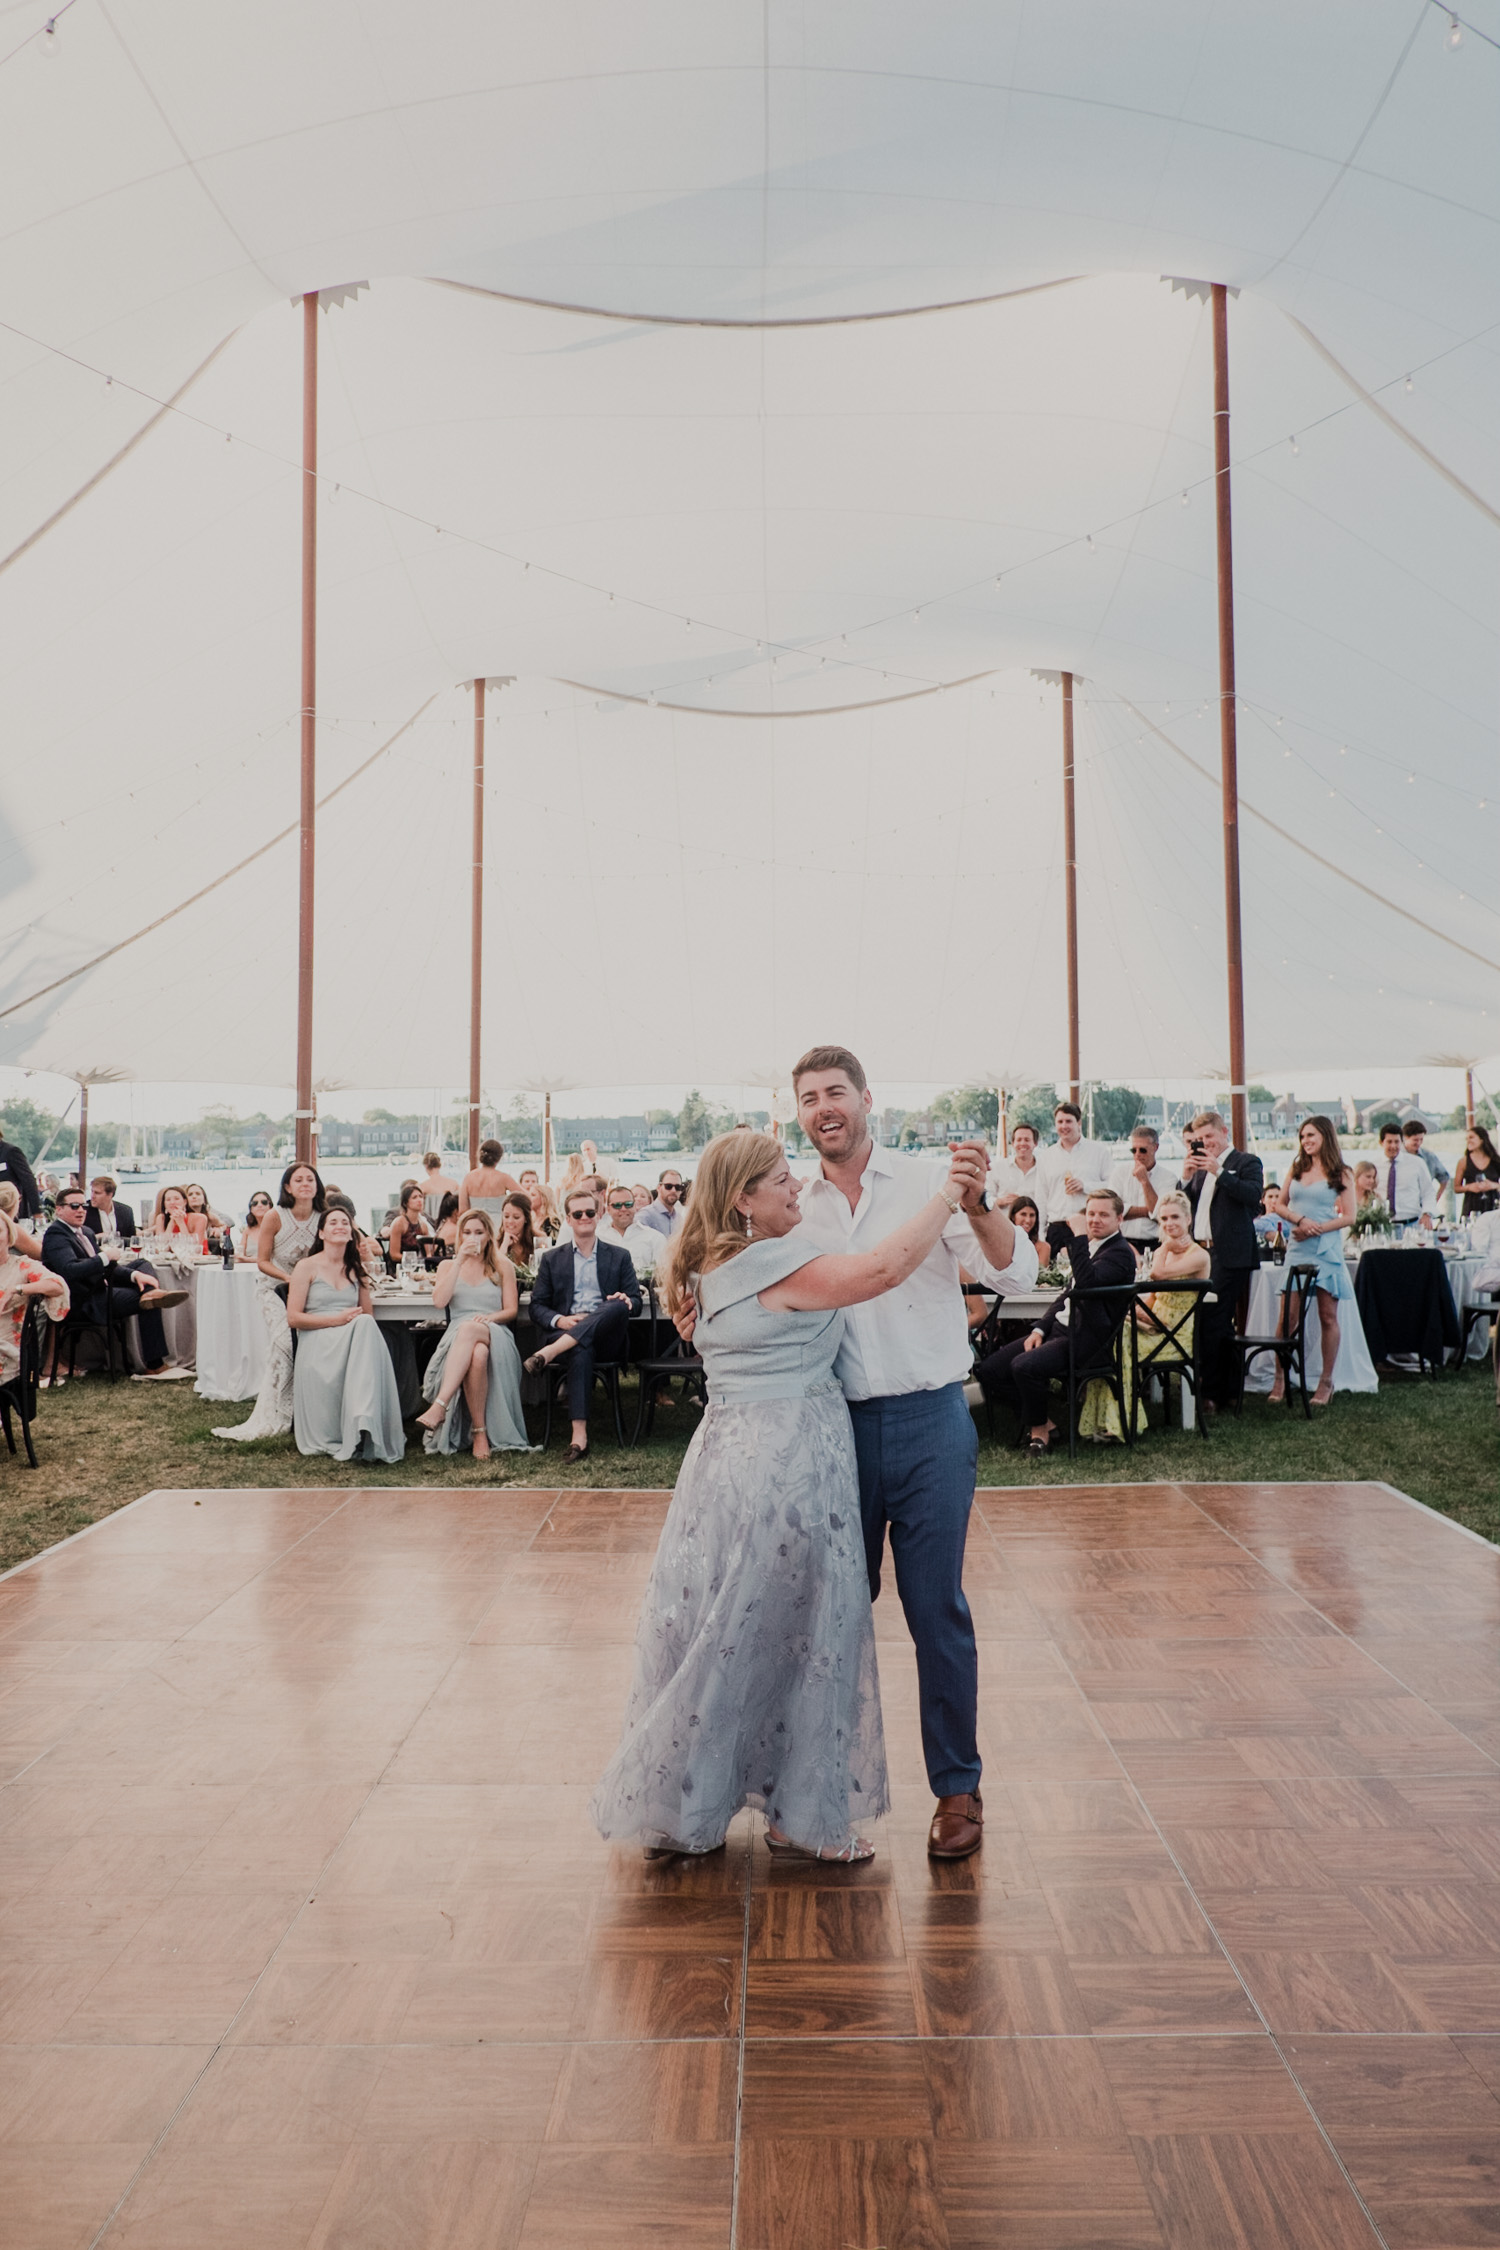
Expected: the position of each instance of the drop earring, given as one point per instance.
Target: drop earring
(749, 1226)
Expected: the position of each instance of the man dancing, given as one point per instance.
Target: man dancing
(902, 1365)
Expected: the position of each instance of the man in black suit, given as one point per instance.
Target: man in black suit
(585, 1291)
(1225, 1187)
(106, 1219)
(97, 1284)
(14, 1167)
(1101, 1258)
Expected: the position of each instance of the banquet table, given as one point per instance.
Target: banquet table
(1354, 1369)
(179, 1322)
(1407, 1304)
(232, 1338)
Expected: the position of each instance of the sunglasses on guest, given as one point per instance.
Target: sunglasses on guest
(625, 1203)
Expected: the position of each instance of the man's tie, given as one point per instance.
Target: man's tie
(1390, 1192)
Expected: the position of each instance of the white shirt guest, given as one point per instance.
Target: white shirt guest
(1409, 1188)
(1140, 1184)
(916, 1338)
(647, 1245)
(1071, 1159)
(1019, 1174)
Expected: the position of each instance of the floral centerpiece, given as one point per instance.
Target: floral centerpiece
(1372, 1218)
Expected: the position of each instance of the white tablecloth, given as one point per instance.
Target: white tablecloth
(1462, 1275)
(1355, 1370)
(232, 1340)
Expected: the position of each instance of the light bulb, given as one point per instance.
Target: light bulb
(1091, 546)
(651, 697)
(1292, 442)
(1455, 33)
(1185, 499)
(47, 43)
(688, 624)
(109, 382)
(611, 601)
(916, 617)
(998, 576)
(1409, 386)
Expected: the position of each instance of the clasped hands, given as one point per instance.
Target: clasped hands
(566, 1320)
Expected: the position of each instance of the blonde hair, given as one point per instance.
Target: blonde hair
(1208, 1117)
(1175, 1201)
(10, 1199)
(490, 1256)
(714, 1231)
(7, 1237)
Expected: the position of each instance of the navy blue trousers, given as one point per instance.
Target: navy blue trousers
(917, 1456)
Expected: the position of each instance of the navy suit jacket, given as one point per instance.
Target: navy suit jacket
(1105, 1265)
(1238, 1191)
(124, 1220)
(552, 1291)
(87, 1277)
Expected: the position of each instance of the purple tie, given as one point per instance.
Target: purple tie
(1390, 1193)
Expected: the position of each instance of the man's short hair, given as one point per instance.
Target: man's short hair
(579, 1195)
(831, 1058)
(1150, 1132)
(1106, 1195)
(1390, 1126)
(103, 1180)
(1068, 1109)
(1208, 1117)
(671, 1173)
(1025, 1127)
(1412, 1125)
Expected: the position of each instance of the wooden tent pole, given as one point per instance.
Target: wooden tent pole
(306, 847)
(1228, 740)
(1469, 1100)
(476, 925)
(83, 1135)
(546, 1140)
(1070, 884)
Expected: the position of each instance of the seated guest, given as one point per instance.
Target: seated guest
(99, 1285)
(1140, 1184)
(106, 1219)
(172, 1219)
(435, 1186)
(592, 1183)
(517, 1242)
(1021, 1373)
(642, 1196)
(27, 1242)
(259, 1211)
(1224, 1185)
(976, 1304)
(1414, 1141)
(446, 1224)
(544, 1219)
(1017, 1174)
(1177, 1257)
(1409, 1188)
(585, 1294)
(372, 1257)
(1476, 1183)
(344, 1397)
(1026, 1217)
(198, 1204)
(409, 1228)
(645, 1244)
(529, 1180)
(1070, 1171)
(474, 1377)
(1269, 1225)
(665, 1214)
(1368, 1200)
(21, 1279)
(486, 1187)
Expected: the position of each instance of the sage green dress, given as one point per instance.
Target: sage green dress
(344, 1397)
(505, 1425)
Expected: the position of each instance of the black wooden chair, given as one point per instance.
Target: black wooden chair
(1290, 1350)
(1114, 1369)
(1477, 1309)
(19, 1396)
(606, 1371)
(78, 1322)
(667, 1359)
(1166, 1353)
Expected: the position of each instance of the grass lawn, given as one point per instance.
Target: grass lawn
(101, 1445)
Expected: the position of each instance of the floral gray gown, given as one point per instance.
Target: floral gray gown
(755, 1677)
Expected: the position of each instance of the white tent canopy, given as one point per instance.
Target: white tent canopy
(621, 414)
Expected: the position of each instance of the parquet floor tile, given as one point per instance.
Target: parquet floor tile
(309, 1943)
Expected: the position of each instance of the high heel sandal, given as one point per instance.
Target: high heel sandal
(435, 1417)
(850, 1855)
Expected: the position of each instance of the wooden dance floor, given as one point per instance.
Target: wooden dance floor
(305, 1938)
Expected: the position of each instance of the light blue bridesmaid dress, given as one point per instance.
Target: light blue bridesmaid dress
(1313, 1198)
(504, 1423)
(344, 1396)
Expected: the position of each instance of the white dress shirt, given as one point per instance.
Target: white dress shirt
(1007, 1178)
(1416, 1189)
(1087, 1161)
(915, 1338)
(647, 1246)
(1128, 1188)
(109, 1225)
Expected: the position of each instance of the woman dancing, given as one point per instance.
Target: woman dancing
(755, 1679)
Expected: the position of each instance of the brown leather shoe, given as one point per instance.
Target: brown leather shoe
(957, 1827)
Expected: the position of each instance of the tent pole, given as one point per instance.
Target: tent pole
(1228, 740)
(1004, 1133)
(305, 893)
(1070, 878)
(83, 1135)
(476, 925)
(1469, 1100)
(546, 1140)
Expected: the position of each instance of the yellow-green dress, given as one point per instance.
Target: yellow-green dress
(1099, 1416)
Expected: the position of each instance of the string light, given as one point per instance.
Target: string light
(1410, 386)
(1455, 33)
(47, 44)
(1090, 543)
(1186, 501)
(1292, 442)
